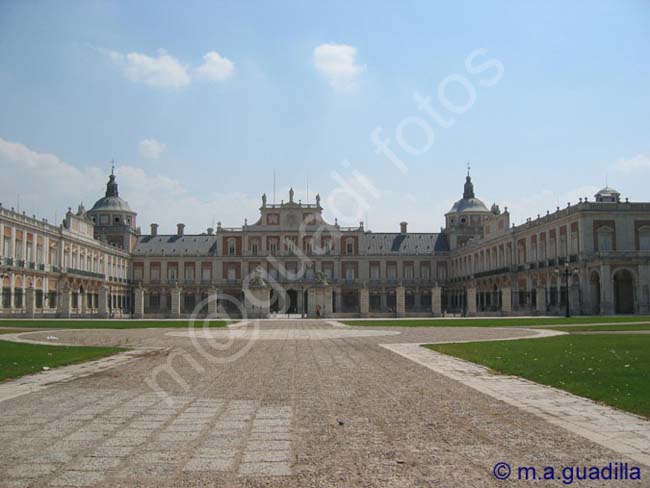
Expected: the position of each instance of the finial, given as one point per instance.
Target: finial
(291, 195)
(112, 167)
(468, 168)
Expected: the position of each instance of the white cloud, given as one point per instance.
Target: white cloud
(151, 148)
(638, 162)
(215, 67)
(46, 185)
(165, 71)
(337, 63)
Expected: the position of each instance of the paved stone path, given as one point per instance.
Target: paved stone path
(305, 405)
(622, 432)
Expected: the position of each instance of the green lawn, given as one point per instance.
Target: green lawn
(496, 322)
(108, 324)
(600, 328)
(613, 369)
(18, 359)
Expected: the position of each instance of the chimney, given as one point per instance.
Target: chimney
(180, 229)
(402, 227)
(154, 230)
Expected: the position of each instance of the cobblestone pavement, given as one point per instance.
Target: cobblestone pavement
(306, 404)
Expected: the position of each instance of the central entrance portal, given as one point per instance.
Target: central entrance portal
(291, 302)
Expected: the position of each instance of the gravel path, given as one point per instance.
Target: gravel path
(296, 404)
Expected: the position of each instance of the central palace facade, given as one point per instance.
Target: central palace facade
(591, 257)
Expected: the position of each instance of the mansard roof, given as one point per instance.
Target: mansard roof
(174, 245)
(411, 243)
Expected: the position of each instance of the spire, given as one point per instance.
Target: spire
(468, 190)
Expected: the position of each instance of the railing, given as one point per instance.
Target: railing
(88, 274)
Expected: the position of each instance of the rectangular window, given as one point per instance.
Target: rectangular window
(19, 250)
(137, 273)
(232, 273)
(374, 272)
(349, 273)
(391, 272)
(172, 273)
(206, 274)
(408, 272)
(189, 273)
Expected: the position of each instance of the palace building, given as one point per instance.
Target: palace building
(591, 257)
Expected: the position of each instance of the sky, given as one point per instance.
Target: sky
(378, 106)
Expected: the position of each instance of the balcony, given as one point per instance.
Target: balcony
(87, 274)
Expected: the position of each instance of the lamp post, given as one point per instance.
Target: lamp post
(566, 272)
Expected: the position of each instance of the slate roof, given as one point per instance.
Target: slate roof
(174, 245)
(411, 243)
(111, 204)
(468, 205)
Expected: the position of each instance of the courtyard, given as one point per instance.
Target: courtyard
(297, 403)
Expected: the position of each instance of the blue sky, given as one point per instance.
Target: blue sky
(299, 88)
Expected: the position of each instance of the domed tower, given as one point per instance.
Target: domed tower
(467, 216)
(113, 219)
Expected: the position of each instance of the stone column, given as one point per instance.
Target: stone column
(471, 302)
(327, 302)
(606, 290)
(82, 303)
(540, 299)
(138, 306)
(64, 303)
(213, 293)
(436, 301)
(30, 302)
(643, 289)
(103, 302)
(176, 302)
(400, 301)
(364, 302)
(506, 300)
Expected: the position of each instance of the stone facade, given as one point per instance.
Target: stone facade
(595, 255)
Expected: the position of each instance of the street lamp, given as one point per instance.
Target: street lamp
(566, 272)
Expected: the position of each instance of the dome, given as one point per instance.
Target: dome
(469, 202)
(111, 204)
(468, 205)
(112, 201)
(608, 195)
